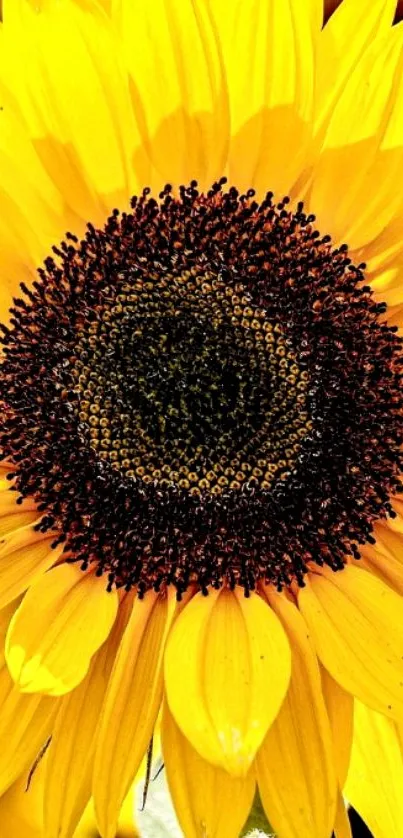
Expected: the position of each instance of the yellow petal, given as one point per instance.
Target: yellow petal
(178, 87)
(268, 53)
(227, 669)
(127, 828)
(25, 554)
(375, 779)
(295, 765)
(362, 150)
(62, 621)
(71, 756)
(379, 562)
(209, 803)
(356, 624)
(346, 36)
(342, 828)
(20, 517)
(388, 542)
(131, 705)
(25, 725)
(11, 502)
(87, 149)
(340, 709)
(21, 808)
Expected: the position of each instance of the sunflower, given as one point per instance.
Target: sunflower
(201, 396)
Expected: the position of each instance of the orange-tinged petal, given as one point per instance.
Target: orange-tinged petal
(295, 765)
(227, 669)
(21, 808)
(356, 624)
(62, 621)
(25, 554)
(70, 759)
(340, 709)
(209, 802)
(382, 564)
(11, 502)
(342, 828)
(25, 724)
(131, 705)
(388, 542)
(375, 779)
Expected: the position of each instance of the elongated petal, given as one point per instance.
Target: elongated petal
(208, 800)
(295, 765)
(178, 87)
(24, 556)
(363, 146)
(382, 564)
(21, 808)
(87, 149)
(356, 624)
(346, 36)
(388, 542)
(268, 54)
(70, 759)
(342, 828)
(131, 705)
(340, 709)
(375, 779)
(25, 724)
(227, 669)
(62, 621)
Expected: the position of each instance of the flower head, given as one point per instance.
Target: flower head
(201, 407)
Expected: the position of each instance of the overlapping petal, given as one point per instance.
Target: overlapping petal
(295, 765)
(208, 800)
(131, 705)
(62, 621)
(355, 622)
(227, 669)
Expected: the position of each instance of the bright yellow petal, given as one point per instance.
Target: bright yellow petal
(356, 624)
(131, 705)
(346, 36)
(227, 669)
(127, 820)
(354, 194)
(62, 621)
(340, 709)
(375, 779)
(268, 53)
(178, 87)
(209, 802)
(71, 756)
(84, 133)
(295, 765)
(25, 554)
(25, 725)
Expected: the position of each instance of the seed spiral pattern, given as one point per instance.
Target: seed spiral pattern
(203, 391)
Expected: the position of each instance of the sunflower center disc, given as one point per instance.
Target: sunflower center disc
(204, 390)
(184, 382)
